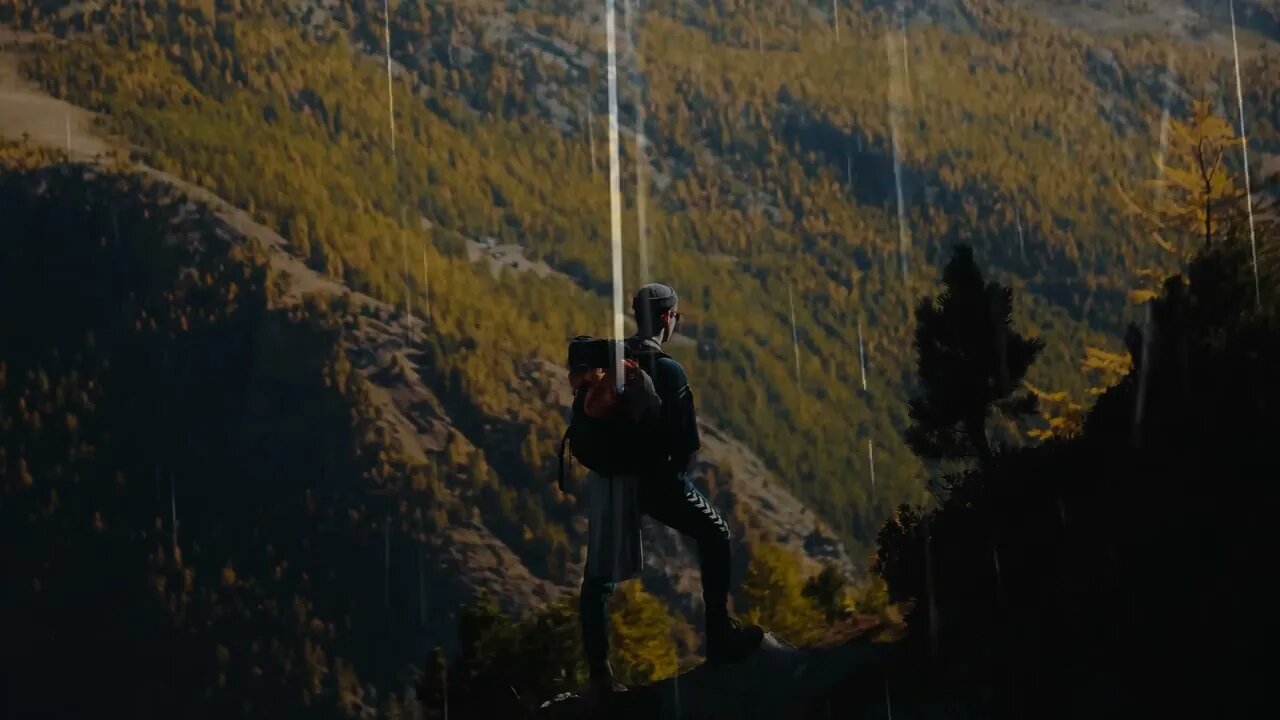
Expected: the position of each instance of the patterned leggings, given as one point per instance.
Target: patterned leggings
(677, 504)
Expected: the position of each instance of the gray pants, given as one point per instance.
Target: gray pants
(676, 503)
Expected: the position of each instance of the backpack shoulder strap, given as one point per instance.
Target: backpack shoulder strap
(637, 348)
(564, 441)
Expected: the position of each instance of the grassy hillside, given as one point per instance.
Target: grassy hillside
(772, 144)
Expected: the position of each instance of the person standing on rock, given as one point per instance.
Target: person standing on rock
(662, 490)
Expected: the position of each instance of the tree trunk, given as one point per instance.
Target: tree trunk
(977, 431)
(1207, 176)
(1208, 223)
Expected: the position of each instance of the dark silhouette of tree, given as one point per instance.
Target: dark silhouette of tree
(433, 686)
(1052, 572)
(826, 591)
(970, 361)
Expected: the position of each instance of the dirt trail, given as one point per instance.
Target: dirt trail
(27, 110)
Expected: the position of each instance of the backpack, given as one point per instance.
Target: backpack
(609, 433)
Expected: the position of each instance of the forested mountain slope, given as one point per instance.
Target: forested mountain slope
(772, 144)
(802, 172)
(254, 453)
(179, 414)
(186, 463)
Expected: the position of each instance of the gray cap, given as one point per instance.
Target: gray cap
(656, 298)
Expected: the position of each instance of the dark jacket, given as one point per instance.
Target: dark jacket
(675, 438)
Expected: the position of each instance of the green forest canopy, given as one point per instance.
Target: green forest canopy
(772, 139)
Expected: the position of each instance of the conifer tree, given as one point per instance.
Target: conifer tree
(827, 592)
(1195, 190)
(773, 595)
(970, 362)
(1196, 198)
(642, 645)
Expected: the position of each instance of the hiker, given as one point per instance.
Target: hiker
(658, 486)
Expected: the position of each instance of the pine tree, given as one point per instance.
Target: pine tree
(1196, 199)
(970, 362)
(1063, 416)
(773, 595)
(1192, 191)
(1107, 367)
(642, 644)
(1196, 188)
(827, 592)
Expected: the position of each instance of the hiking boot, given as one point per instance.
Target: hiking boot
(730, 641)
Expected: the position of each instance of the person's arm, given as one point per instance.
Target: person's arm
(679, 416)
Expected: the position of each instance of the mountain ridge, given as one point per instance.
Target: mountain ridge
(703, 136)
(420, 424)
(794, 170)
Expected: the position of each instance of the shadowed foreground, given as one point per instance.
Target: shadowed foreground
(776, 681)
